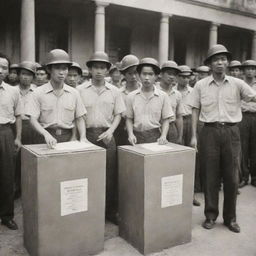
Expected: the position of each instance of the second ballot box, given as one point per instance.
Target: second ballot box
(63, 198)
(156, 185)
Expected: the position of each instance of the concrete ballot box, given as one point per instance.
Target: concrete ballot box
(63, 197)
(156, 185)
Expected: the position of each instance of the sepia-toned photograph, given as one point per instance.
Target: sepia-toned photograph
(127, 127)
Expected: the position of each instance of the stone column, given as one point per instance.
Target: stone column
(253, 55)
(163, 45)
(99, 30)
(27, 30)
(213, 35)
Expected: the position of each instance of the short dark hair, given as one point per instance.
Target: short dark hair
(5, 57)
(140, 67)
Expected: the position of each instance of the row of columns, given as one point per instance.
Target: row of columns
(27, 35)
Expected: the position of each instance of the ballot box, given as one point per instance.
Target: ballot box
(156, 185)
(63, 198)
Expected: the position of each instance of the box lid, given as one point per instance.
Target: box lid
(155, 148)
(62, 148)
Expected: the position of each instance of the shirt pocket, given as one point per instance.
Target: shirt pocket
(232, 106)
(107, 108)
(208, 103)
(47, 114)
(7, 109)
(155, 113)
(68, 114)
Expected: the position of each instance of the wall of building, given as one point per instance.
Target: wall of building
(189, 9)
(10, 29)
(81, 33)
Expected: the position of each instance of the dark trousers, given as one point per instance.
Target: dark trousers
(27, 138)
(187, 130)
(7, 169)
(248, 142)
(120, 134)
(220, 149)
(198, 186)
(148, 136)
(172, 135)
(111, 171)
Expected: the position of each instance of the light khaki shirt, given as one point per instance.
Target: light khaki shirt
(249, 106)
(55, 111)
(185, 99)
(147, 113)
(176, 102)
(25, 98)
(220, 103)
(10, 103)
(103, 106)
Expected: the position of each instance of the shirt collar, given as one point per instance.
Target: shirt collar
(212, 81)
(172, 91)
(156, 91)
(89, 84)
(3, 85)
(49, 88)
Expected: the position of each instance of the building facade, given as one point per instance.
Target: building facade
(181, 30)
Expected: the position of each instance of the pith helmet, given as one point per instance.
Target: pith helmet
(249, 63)
(170, 65)
(58, 56)
(113, 68)
(99, 57)
(129, 61)
(217, 49)
(203, 69)
(14, 66)
(151, 62)
(77, 66)
(185, 70)
(28, 65)
(235, 64)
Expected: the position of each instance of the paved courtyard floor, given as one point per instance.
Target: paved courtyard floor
(218, 241)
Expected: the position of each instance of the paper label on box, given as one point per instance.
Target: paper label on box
(74, 196)
(73, 145)
(156, 147)
(171, 187)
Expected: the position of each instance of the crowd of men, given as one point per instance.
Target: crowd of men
(135, 101)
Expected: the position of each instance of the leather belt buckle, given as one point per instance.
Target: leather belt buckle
(58, 132)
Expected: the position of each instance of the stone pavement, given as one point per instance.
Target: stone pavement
(218, 241)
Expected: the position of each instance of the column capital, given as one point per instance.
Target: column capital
(165, 17)
(215, 24)
(101, 3)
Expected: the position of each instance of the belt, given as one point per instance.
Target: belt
(187, 116)
(58, 131)
(5, 125)
(97, 129)
(219, 124)
(249, 113)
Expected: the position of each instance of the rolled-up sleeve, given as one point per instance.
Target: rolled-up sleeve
(246, 92)
(80, 108)
(119, 107)
(194, 97)
(180, 107)
(129, 108)
(167, 111)
(18, 110)
(32, 108)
